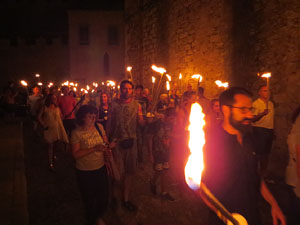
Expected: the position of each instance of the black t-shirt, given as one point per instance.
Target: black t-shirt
(230, 172)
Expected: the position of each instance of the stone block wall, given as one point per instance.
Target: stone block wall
(230, 40)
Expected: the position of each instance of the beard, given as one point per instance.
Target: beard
(243, 128)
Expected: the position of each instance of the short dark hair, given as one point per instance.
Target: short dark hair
(64, 88)
(126, 82)
(48, 100)
(261, 86)
(139, 86)
(213, 101)
(227, 97)
(82, 111)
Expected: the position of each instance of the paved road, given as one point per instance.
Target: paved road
(53, 198)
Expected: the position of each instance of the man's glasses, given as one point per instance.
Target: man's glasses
(242, 109)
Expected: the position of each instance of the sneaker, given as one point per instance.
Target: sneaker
(130, 206)
(153, 188)
(167, 196)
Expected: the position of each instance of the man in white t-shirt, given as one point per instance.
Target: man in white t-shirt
(263, 125)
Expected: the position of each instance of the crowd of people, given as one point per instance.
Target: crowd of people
(112, 134)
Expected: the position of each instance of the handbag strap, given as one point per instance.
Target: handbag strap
(98, 129)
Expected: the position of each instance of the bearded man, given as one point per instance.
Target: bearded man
(231, 171)
(123, 117)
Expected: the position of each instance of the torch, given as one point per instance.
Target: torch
(199, 77)
(25, 84)
(222, 84)
(129, 68)
(162, 71)
(180, 77)
(267, 76)
(153, 82)
(195, 166)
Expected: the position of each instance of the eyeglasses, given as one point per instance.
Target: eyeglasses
(242, 109)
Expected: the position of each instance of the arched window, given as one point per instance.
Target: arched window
(106, 64)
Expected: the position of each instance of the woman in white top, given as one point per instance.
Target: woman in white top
(88, 148)
(293, 168)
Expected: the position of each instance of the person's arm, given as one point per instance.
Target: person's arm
(77, 152)
(275, 209)
(260, 115)
(40, 115)
(141, 120)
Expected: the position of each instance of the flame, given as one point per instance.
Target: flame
(74, 88)
(168, 85)
(221, 84)
(102, 83)
(66, 83)
(24, 83)
(37, 75)
(71, 84)
(76, 84)
(153, 79)
(169, 77)
(129, 68)
(195, 165)
(40, 83)
(85, 91)
(111, 83)
(180, 76)
(87, 87)
(266, 75)
(50, 84)
(197, 76)
(158, 69)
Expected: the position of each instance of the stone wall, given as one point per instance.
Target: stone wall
(229, 40)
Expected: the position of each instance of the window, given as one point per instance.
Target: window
(84, 37)
(106, 64)
(113, 35)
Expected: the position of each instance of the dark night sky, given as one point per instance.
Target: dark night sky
(48, 18)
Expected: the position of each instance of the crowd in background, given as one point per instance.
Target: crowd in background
(111, 134)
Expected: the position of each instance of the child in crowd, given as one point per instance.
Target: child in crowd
(161, 151)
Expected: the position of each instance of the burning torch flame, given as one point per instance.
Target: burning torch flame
(40, 83)
(129, 68)
(180, 76)
(195, 165)
(111, 83)
(153, 79)
(76, 85)
(74, 88)
(221, 84)
(169, 77)
(168, 85)
(266, 75)
(197, 76)
(37, 75)
(87, 87)
(71, 84)
(66, 83)
(158, 69)
(24, 83)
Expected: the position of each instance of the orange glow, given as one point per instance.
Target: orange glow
(197, 76)
(24, 83)
(87, 87)
(168, 85)
(74, 89)
(37, 75)
(71, 84)
(180, 76)
(169, 77)
(221, 84)
(195, 164)
(76, 85)
(40, 83)
(111, 83)
(129, 68)
(266, 75)
(153, 79)
(158, 69)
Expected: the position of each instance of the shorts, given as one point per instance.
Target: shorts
(126, 159)
(161, 160)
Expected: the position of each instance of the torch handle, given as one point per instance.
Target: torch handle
(219, 209)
